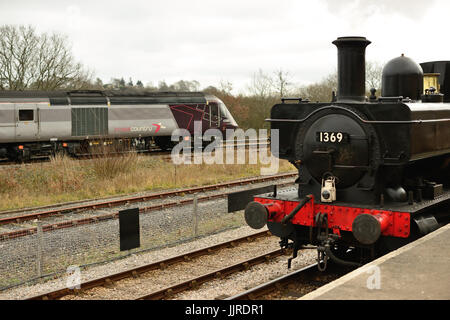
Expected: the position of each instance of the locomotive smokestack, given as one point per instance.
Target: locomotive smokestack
(351, 68)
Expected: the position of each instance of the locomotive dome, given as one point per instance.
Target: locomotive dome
(402, 76)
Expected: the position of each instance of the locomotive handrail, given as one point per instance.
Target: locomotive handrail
(300, 100)
(419, 121)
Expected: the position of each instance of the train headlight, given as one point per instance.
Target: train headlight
(328, 192)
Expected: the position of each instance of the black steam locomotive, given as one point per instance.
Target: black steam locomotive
(374, 173)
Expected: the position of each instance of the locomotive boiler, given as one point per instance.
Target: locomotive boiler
(373, 173)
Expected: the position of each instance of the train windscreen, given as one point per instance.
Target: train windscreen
(225, 113)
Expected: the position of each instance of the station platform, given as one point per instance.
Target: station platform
(418, 271)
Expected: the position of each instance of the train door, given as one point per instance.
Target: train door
(27, 122)
(214, 115)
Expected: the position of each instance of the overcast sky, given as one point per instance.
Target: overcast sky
(230, 40)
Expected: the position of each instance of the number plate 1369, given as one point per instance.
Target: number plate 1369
(333, 137)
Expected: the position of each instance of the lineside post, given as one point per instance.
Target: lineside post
(39, 262)
(195, 209)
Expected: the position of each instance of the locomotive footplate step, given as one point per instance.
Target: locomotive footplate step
(417, 271)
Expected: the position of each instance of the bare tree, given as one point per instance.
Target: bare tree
(41, 62)
(185, 85)
(261, 85)
(225, 87)
(281, 82)
(374, 72)
(150, 87)
(321, 91)
(181, 85)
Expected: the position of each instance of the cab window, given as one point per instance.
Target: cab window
(206, 113)
(26, 115)
(214, 109)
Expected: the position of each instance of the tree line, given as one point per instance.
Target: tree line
(32, 61)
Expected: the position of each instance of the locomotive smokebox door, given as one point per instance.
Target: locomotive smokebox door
(129, 229)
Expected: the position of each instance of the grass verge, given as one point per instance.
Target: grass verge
(64, 179)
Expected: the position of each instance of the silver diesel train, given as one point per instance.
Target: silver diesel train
(36, 123)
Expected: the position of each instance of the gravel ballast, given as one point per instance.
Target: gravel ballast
(234, 283)
(99, 242)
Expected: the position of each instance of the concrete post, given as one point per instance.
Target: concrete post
(195, 216)
(40, 245)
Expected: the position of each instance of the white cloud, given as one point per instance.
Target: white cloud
(229, 40)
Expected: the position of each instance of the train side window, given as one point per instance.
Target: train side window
(26, 115)
(214, 110)
(206, 112)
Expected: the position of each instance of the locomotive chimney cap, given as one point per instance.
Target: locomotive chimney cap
(351, 40)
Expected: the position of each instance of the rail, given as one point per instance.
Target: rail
(134, 272)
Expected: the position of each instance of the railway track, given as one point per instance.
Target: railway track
(15, 219)
(117, 202)
(6, 164)
(293, 285)
(221, 273)
(290, 286)
(163, 264)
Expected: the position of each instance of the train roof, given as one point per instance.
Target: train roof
(95, 93)
(101, 96)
